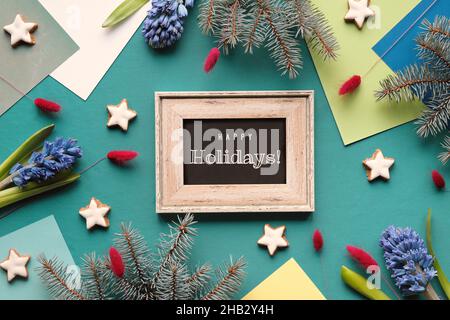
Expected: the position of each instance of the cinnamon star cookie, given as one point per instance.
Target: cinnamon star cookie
(20, 31)
(273, 238)
(378, 166)
(95, 214)
(15, 265)
(359, 11)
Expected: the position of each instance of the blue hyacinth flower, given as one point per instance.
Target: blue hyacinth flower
(56, 156)
(407, 259)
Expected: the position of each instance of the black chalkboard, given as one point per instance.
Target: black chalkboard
(234, 151)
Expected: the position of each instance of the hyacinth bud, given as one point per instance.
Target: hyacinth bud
(164, 23)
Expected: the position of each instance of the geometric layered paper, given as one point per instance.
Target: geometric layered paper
(25, 66)
(289, 282)
(99, 47)
(51, 243)
(359, 115)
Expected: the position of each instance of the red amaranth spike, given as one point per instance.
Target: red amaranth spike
(363, 258)
(117, 266)
(47, 105)
(317, 240)
(350, 85)
(438, 179)
(121, 156)
(211, 59)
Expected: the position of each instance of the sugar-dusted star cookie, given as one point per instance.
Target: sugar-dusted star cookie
(95, 214)
(378, 166)
(15, 265)
(273, 238)
(120, 115)
(20, 31)
(359, 11)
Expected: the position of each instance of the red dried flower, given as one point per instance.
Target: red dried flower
(47, 105)
(117, 266)
(438, 179)
(362, 257)
(121, 156)
(350, 85)
(211, 59)
(317, 240)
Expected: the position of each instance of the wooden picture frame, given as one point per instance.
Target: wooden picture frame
(296, 195)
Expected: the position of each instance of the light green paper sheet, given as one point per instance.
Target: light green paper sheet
(359, 115)
(26, 66)
(42, 237)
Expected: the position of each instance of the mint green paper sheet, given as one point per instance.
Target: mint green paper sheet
(42, 237)
(26, 66)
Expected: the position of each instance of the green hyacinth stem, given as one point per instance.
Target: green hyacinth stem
(430, 293)
(5, 182)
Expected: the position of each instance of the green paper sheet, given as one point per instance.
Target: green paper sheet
(25, 66)
(42, 237)
(359, 115)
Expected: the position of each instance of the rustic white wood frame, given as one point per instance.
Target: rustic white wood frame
(297, 195)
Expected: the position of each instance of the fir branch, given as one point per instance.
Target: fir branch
(206, 17)
(229, 279)
(124, 289)
(135, 253)
(233, 18)
(175, 245)
(413, 82)
(280, 40)
(199, 279)
(93, 270)
(54, 274)
(312, 25)
(173, 282)
(254, 34)
(435, 119)
(429, 81)
(321, 38)
(445, 156)
(439, 29)
(302, 16)
(434, 52)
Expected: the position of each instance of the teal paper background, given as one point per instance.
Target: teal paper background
(349, 210)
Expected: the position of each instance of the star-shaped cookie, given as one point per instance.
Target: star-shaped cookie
(273, 238)
(378, 166)
(20, 31)
(95, 214)
(120, 115)
(359, 11)
(15, 265)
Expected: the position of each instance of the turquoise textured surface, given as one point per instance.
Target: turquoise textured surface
(349, 210)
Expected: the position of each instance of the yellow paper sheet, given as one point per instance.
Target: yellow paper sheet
(289, 282)
(359, 115)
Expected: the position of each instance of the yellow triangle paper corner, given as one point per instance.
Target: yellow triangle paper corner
(289, 282)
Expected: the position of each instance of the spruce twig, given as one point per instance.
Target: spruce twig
(137, 280)
(274, 24)
(428, 81)
(199, 279)
(176, 245)
(229, 279)
(53, 272)
(445, 156)
(94, 280)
